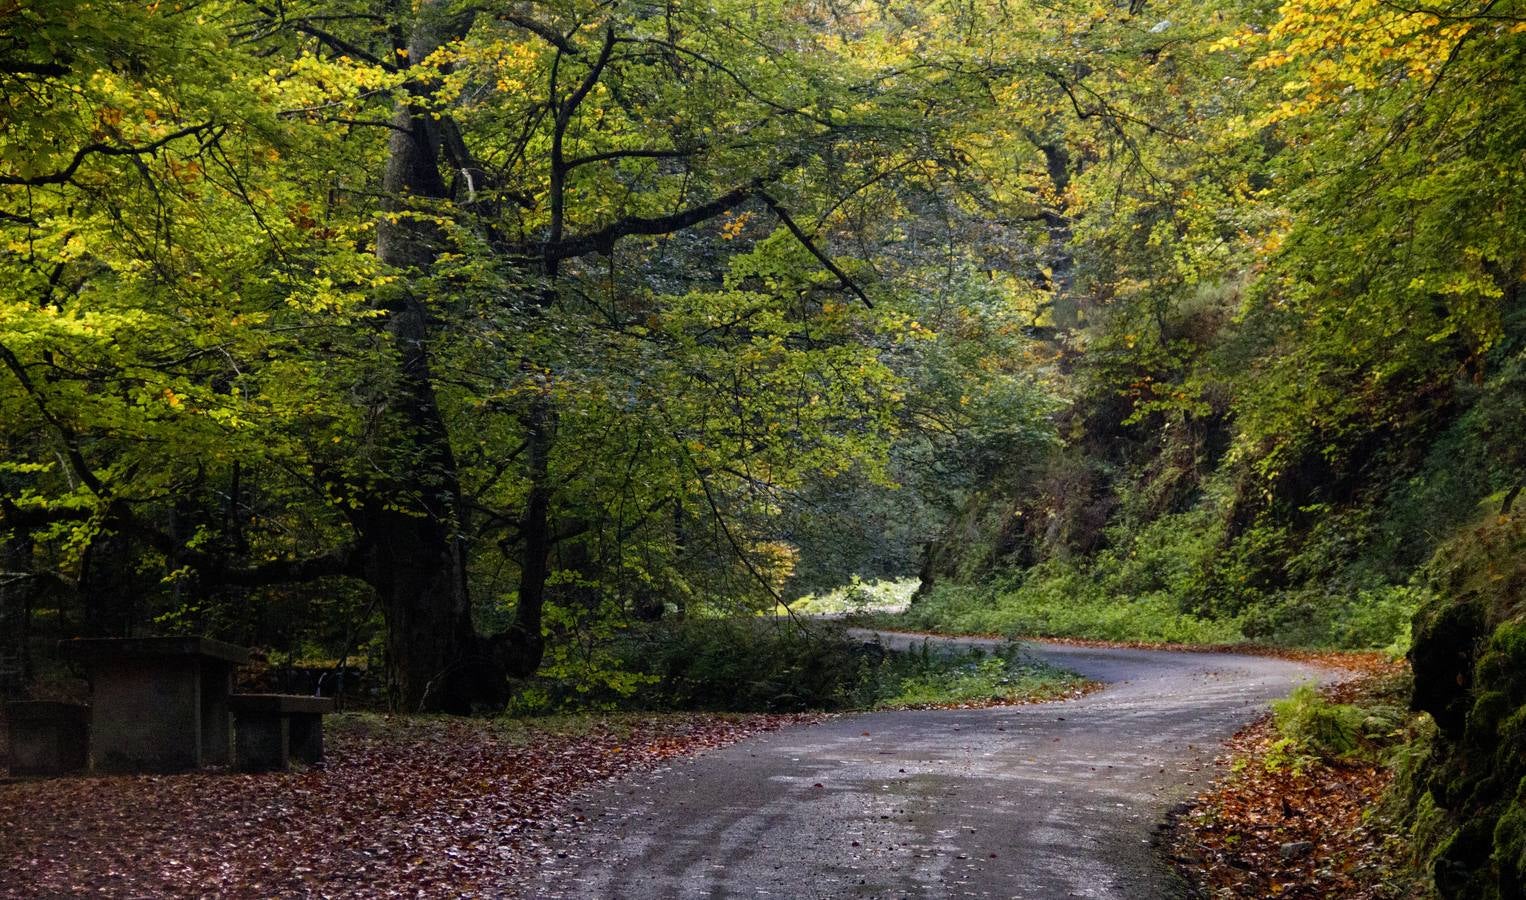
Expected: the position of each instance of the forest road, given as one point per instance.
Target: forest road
(1053, 800)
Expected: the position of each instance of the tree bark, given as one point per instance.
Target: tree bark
(16, 592)
(520, 649)
(412, 527)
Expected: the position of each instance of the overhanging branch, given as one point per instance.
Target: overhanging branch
(63, 175)
(807, 243)
(603, 240)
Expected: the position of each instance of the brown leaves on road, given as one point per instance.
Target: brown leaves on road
(402, 807)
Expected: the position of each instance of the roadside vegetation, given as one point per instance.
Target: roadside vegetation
(782, 665)
(1307, 809)
(857, 597)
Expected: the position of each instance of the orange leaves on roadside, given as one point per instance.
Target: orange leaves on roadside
(1280, 833)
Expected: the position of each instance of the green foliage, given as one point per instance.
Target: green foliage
(238, 354)
(931, 678)
(857, 596)
(760, 665)
(1316, 726)
(1058, 600)
(721, 664)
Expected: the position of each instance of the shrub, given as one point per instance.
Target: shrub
(746, 665)
(1055, 599)
(930, 678)
(1316, 726)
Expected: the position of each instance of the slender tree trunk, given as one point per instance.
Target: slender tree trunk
(16, 593)
(521, 648)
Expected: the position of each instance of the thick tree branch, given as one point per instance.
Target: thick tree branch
(213, 569)
(570, 106)
(539, 29)
(339, 44)
(47, 69)
(15, 518)
(603, 240)
(345, 561)
(608, 155)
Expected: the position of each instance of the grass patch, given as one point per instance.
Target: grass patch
(926, 678)
(752, 664)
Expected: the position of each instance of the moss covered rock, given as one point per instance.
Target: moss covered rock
(1469, 659)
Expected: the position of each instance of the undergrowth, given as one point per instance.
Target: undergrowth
(1056, 601)
(927, 677)
(1312, 729)
(769, 665)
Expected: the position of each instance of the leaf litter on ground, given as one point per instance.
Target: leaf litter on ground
(1279, 831)
(425, 806)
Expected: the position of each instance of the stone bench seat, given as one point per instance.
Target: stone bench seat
(47, 737)
(271, 729)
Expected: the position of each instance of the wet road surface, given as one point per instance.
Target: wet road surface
(1056, 800)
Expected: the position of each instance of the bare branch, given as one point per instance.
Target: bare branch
(592, 78)
(603, 240)
(63, 175)
(608, 155)
(807, 243)
(541, 30)
(339, 44)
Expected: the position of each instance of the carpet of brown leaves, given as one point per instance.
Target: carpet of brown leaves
(1229, 842)
(401, 807)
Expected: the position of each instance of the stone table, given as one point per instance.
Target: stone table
(158, 704)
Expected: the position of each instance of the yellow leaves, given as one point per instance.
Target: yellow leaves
(171, 397)
(1336, 48)
(732, 227)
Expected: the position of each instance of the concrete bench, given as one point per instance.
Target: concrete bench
(270, 729)
(48, 738)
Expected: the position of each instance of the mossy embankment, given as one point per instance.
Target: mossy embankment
(1466, 800)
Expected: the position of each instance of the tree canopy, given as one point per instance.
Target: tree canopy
(481, 330)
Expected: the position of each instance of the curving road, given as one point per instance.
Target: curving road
(1050, 801)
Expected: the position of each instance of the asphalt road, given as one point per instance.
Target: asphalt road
(1048, 801)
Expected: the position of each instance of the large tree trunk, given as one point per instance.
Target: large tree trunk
(412, 527)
